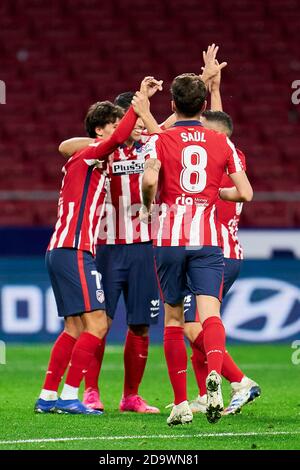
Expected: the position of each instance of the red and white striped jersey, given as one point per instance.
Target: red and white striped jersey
(120, 223)
(82, 194)
(229, 216)
(193, 161)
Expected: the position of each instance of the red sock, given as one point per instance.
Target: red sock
(135, 358)
(199, 365)
(92, 376)
(59, 360)
(176, 357)
(82, 355)
(214, 343)
(230, 370)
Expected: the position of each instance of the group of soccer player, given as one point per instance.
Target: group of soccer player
(150, 211)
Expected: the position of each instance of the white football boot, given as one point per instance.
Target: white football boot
(242, 392)
(180, 414)
(199, 404)
(215, 403)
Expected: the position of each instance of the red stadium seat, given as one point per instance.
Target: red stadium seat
(59, 57)
(268, 214)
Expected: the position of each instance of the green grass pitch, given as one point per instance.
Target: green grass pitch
(272, 422)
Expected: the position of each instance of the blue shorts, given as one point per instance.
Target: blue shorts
(182, 270)
(75, 281)
(231, 273)
(130, 269)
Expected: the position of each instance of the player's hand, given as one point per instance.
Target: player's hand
(145, 215)
(211, 65)
(150, 86)
(140, 103)
(214, 83)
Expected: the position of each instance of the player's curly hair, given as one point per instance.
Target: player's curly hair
(188, 93)
(222, 118)
(100, 114)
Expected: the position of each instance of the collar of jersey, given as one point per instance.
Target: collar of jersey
(188, 123)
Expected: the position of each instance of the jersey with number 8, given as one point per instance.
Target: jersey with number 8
(193, 161)
(191, 168)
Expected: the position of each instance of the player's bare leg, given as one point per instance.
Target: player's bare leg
(176, 357)
(59, 359)
(95, 329)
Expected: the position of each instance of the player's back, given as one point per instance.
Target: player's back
(193, 161)
(80, 203)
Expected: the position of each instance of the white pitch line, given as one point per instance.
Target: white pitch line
(154, 436)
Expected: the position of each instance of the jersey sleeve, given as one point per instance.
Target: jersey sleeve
(242, 158)
(151, 149)
(234, 162)
(102, 149)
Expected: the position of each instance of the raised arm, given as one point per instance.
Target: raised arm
(141, 105)
(215, 93)
(121, 134)
(104, 148)
(211, 65)
(168, 122)
(214, 83)
(96, 150)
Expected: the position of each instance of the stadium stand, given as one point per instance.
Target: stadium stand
(56, 58)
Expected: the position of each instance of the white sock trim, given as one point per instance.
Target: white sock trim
(69, 393)
(48, 395)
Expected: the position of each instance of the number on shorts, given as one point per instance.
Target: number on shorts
(98, 278)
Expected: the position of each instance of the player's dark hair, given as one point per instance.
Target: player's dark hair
(188, 93)
(100, 114)
(220, 116)
(124, 99)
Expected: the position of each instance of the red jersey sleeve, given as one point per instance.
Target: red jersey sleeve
(242, 158)
(234, 162)
(152, 148)
(104, 148)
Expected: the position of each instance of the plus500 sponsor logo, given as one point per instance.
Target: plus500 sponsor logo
(128, 167)
(22, 310)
